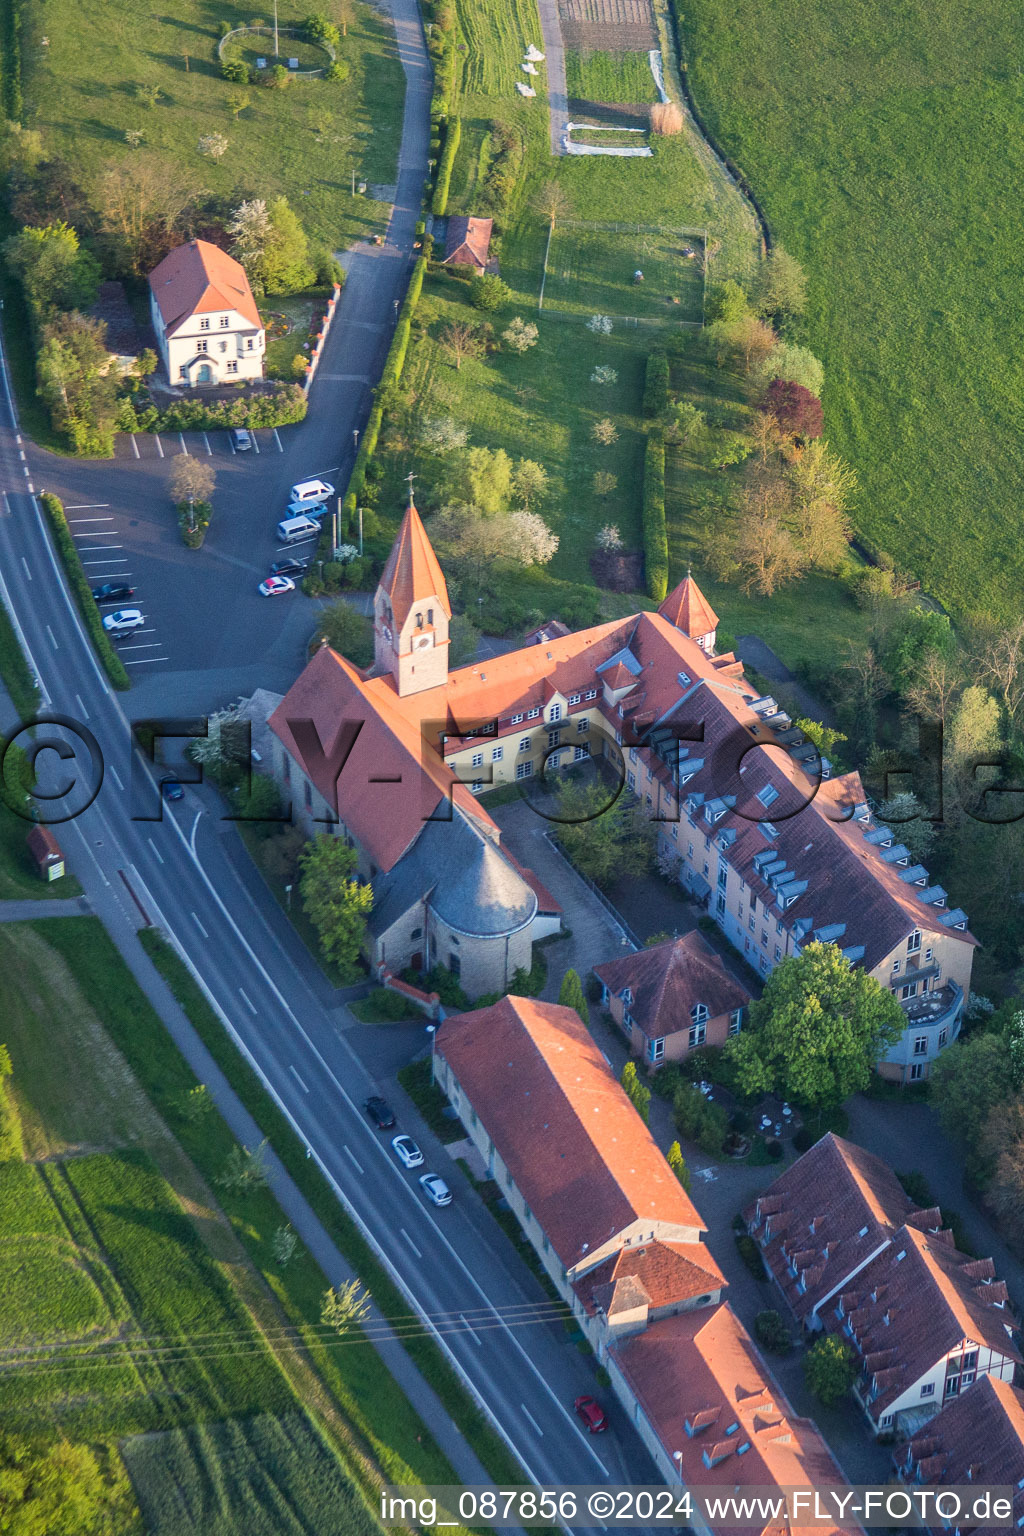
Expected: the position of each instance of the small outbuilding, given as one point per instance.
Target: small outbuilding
(468, 243)
(46, 853)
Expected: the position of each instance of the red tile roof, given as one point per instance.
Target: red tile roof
(977, 1437)
(412, 573)
(668, 980)
(199, 278)
(835, 1206)
(577, 1150)
(467, 240)
(689, 610)
(662, 1274)
(390, 784)
(702, 1368)
(618, 677)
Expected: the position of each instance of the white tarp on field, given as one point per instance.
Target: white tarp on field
(658, 72)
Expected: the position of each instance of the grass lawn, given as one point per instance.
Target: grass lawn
(886, 147)
(80, 91)
(613, 77)
(590, 269)
(295, 310)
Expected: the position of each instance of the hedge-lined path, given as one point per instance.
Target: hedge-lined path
(220, 638)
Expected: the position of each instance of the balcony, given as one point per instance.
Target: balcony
(941, 1007)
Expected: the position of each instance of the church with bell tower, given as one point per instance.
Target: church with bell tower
(412, 612)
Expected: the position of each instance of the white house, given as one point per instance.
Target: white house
(208, 329)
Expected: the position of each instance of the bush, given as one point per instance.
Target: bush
(699, 1120)
(235, 71)
(281, 408)
(654, 526)
(750, 1253)
(79, 584)
(337, 71)
(916, 1188)
(488, 292)
(453, 133)
(656, 383)
(771, 1331)
(195, 525)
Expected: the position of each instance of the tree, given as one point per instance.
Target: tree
(142, 201)
(905, 813)
(481, 477)
(146, 363)
(603, 374)
(249, 228)
(683, 422)
(571, 995)
(215, 145)
(601, 839)
(764, 546)
(604, 432)
(320, 30)
(530, 482)
(822, 488)
(286, 266)
(677, 1162)
(347, 631)
(54, 272)
(771, 1332)
(604, 483)
(283, 1246)
(76, 382)
(344, 1307)
(1015, 1049)
(999, 654)
(336, 904)
(11, 1145)
(781, 288)
(727, 303)
(797, 411)
(520, 335)
(637, 1092)
(191, 479)
(51, 1490)
(754, 341)
(829, 1368)
(1002, 1146)
(245, 1170)
(489, 292)
(797, 364)
(527, 540)
(825, 737)
(608, 538)
(461, 339)
(552, 202)
(916, 633)
(971, 1081)
(442, 434)
(600, 325)
(699, 1120)
(463, 639)
(238, 101)
(817, 1031)
(974, 730)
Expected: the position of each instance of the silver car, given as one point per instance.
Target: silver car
(435, 1189)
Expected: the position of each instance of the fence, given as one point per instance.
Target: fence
(321, 337)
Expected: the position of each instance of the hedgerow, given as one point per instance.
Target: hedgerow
(655, 530)
(79, 583)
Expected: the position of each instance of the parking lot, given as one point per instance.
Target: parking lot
(164, 445)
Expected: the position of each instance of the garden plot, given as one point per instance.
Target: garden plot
(620, 26)
(591, 269)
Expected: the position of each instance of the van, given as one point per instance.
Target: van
(310, 493)
(293, 530)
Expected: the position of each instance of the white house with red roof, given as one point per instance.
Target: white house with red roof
(208, 329)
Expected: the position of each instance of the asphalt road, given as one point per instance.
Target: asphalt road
(174, 871)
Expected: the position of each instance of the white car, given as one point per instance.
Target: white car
(276, 586)
(407, 1152)
(122, 621)
(435, 1189)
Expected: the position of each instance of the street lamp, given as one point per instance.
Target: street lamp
(677, 1457)
(395, 321)
(355, 438)
(432, 1032)
(288, 896)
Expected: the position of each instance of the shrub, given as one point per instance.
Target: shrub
(79, 584)
(285, 405)
(750, 1253)
(771, 1331)
(654, 526)
(489, 292)
(829, 1368)
(453, 133)
(337, 71)
(194, 524)
(235, 71)
(320, 30)
(656, 383)
(666, 118)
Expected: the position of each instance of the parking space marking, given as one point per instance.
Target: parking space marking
(159, 444)
(199, 925)
(86, 506)
(352, 1157)
(77, 520)
(409, 1240)
(155, 849)
(117, 778)
(53, 638)
(150, 645)
(298, 1079)
(181, 439)
(135, 446)
(532, 1420)
(82, 709)
(277, 440)
(254, 442)
(206, 443)
(143, 661)
(95, 548)
(118, 560)
(231, 443)
(28, 573)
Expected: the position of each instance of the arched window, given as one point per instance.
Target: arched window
(699, 1013)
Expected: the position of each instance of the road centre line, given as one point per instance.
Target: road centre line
(117, 778)
(155, 849)
(28, 573)
(247, 1000)
(199, 925)
(298, 1079)
(53, 638)
(82, 709)
(532, 1420)
(476, 1337)
(351, 1155)
(409, 1240)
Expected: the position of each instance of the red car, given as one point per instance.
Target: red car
(593, 1416)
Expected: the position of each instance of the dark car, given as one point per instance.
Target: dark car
(380, 1112)
(589, 1410)
(172, 790)
(111, 593)
(289, 566)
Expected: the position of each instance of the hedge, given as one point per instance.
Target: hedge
(452, 136)
(656, 382)
(285, 406)
(10, 53)
(79, 582)
(655, 531)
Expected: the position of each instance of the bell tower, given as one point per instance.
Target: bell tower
(411, 611)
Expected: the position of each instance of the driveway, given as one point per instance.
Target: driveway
(213, 637)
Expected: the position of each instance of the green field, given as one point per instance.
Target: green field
(886, 145)
(80, 92)
(255, 1477)
(590, 270)
(611, 77)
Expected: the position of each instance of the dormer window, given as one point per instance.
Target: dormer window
(419, 621)
(627, 996)
(699, 1013)
(555, 712)
(768, 795)
(224, 321)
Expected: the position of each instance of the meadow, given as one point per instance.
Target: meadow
(590, 269)
(887, 146)
(595, 75)
(88, 68)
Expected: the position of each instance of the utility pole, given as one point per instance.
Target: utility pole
(277, 47)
